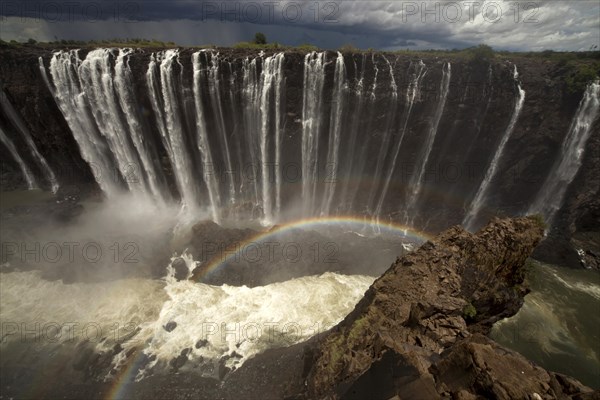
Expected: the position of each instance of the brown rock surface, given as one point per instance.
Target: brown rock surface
(417, 333)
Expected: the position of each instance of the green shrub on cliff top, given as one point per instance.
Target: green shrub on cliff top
(481, 53)
(580, 75)
(307, 47)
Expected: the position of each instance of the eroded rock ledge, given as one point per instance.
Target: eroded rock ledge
(419, 330)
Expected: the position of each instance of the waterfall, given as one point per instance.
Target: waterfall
(27, 174)
(208, 175)
(215, 99)
(314, 77)
(481, 194)
(358, 165)
(279, 90)
(165, 104)
(123, 83)
(73, 103)
(18, 123)
(487, 92)
(333, 149)
(374, 85)
(550, 196)
(208, 113)
(416, 182)
(387, 135)
(412, 92)
(270, 98)
(96, 79)
(251, 128)
(354, 127)
(236, 130)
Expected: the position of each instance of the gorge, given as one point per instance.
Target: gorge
(274, 187)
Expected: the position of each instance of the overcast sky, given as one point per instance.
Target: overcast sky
(385, 25)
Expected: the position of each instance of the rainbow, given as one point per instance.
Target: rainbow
(307, 223)
(125, 375)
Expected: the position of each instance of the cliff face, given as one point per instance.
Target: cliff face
(480, 103)
(418, 332)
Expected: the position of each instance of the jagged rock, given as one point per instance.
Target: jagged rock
(481, 367)
(170, 326)
(409, 336)
(178, 361)
(181, 269)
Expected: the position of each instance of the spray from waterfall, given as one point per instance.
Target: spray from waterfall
(482, 192)
(335, 128)
(314, 77)
(18, 123)
(415, 185)
(551, 195)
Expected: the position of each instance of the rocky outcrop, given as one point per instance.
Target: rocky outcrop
(418, 332)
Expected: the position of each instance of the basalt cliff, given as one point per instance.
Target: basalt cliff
(415, 139)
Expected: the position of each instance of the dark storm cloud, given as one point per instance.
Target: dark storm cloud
(530, 25)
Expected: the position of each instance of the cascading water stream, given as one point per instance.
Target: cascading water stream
(481, 195)
(73, 103)
(387, 135)
(27, 174)
(333, 150)
(251, 127)
(208, 174)
(487, 92)
(18, 123)
(412, 92)
(123, 84)
(348, 166)
(165, 104)
(279, 91)
(95, 76)
(416, 182)
(214, 89)
(100, 101)
(270, 98)
(314, 77)
(551, 195)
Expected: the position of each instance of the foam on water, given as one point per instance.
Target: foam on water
(246, 320)
(83, 310)
(228, 319)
